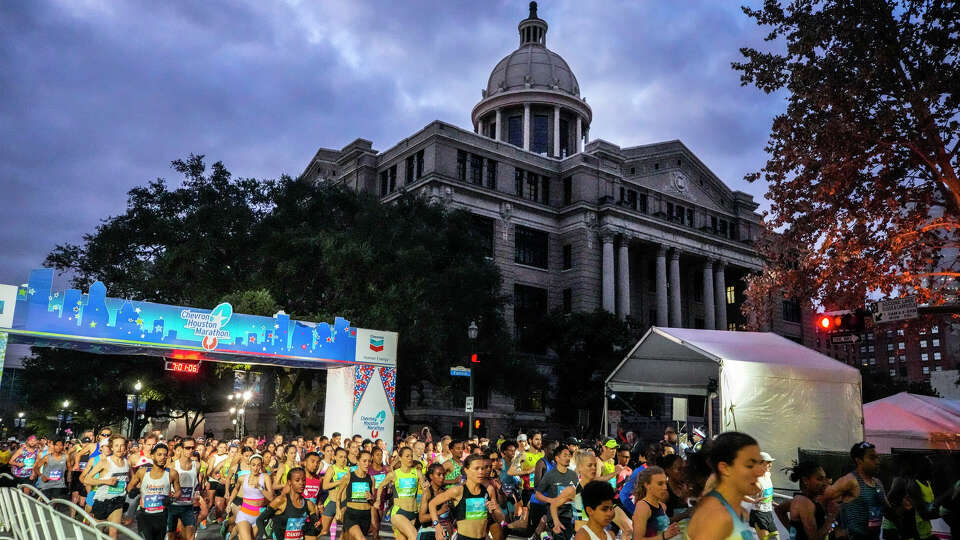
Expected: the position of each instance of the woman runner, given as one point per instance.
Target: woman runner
(157, 483)
(473, 503)
(290, 513)
(406, 482)
(354, 507)
(434, 488)
(807, 518)
(737, 466)
(331, 483)
(255, 491)
(650, 519)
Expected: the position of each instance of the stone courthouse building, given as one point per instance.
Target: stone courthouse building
(573, 223)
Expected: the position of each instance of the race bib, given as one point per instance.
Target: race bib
(55, 475)
(120, 488)
(83, 465)
(186, 495)
(406, 487)
(29, 462)
(353, 468)
(476, 508)
(875, 517)
(294, 528)
(378, 478)
(663, 521)
(360, 490)
(339, 475)
(153, 503)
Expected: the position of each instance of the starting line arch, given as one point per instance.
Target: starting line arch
(361, 363)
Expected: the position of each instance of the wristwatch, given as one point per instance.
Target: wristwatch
(435, 523)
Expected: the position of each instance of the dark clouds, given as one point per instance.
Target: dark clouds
(99, 96)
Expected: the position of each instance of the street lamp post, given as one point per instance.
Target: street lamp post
(472, 334)
(240, 421)
(136, 407)
(62, 415)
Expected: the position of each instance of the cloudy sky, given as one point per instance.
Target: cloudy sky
(100, 96)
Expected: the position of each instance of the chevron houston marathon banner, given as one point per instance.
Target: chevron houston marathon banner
(361, 400)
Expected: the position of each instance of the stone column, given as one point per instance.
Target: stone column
(609, 298)
(662, 286)
(623, 278)
(497, 127)
(709, 310)
(482, 131)
(579, 135)
(676, 320)
(720, 293)
(556, 131)
(526, 126)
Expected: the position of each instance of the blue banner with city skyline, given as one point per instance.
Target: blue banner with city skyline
(94, 322)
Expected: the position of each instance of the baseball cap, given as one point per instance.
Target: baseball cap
(766, 457)
(521, 437)
(572, 441)
(611, 443)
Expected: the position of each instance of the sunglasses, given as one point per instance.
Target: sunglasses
(188, 447)
(866, 444)
(105, 434)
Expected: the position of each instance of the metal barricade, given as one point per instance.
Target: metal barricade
(33, 516)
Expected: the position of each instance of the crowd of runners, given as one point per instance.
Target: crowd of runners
(426, 489)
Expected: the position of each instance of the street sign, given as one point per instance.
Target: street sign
(469, 404)
(460, 371)
(838, 339)
(895, 309)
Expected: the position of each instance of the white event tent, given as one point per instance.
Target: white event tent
(912, 421)
(785, 395)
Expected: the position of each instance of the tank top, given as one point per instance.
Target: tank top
(29, 459)
(579, 513)
(378, 475)
(454, 474)
(251, 493)
(82, 462)
(154, 492)
(797, 532)
(338, 474)
(593, 535)
(863, 516)
(658, 520)
(359, 488)
(311, 488)
(54, 469)
(924, 527)
(530, 459)
(548, 467)
(188, 484)
(741, 529)
(121, 473)
(472, 506)
(608, 468)
(405, 484)
(290, 524)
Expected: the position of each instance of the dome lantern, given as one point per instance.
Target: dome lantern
(533, 30)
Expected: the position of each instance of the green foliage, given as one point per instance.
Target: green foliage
(315, 251)
(863, 162)
(878, 385)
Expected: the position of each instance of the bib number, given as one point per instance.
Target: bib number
(55, 476)
(294, 528)
(153, 503)
(476, 508)
(875, 518)
(186, 495)
(406, 487)
(360, 491)
(118, 489)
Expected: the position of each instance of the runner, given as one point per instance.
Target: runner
(217, 481)
(473, 503)
(158, 484)
(452, 453)
(862, 494)
(255, 491)
(435, 477)
(331, 483)
(80, 457)
(650, 519)
(101, 449)
(354, 504)
(51, 470)
(675, 467)
(587, 470)
(598, 500)
(552, 484)
(509, 484)
(378, 471)
(290, 515)
(807, 518)
(761, 517)
(23, 460)
(190, 477)
(110, 476)
(406, 482)
(736, 463)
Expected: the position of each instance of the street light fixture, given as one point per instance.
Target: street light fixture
(472, 331)
(63, 414)
(136, 407)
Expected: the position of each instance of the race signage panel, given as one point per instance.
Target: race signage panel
(95, 322)
(895, 309)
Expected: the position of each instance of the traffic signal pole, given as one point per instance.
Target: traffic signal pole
(470, 414)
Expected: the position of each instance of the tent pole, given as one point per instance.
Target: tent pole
(710, 398)
(603, 426)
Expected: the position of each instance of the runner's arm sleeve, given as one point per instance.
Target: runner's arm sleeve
(264, 518)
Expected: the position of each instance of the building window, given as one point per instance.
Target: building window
(899, 331)
(698, 292)
(409, 171)
(902, 358)
(633, 170)
(731, 295)
(923, 344)
(936, 355)
(567, 256)
(681, 216)
(564, 138)
(936, 342)
(922, 331)
(690, 217)
(732, 326)
(515, 130)
(893, 372)
(791, 311)
(384, 184)
(532, 190)
(902, 346)
(393, 178)
(491, 174)
(530, 306)
(540, 134)
(713, 224)
(567, 191)
(518, 175)
(938, 368)
(420, 164)
(889, 346)
(935, 330)
(643, 203)
(531, 247)
(870, 348)
(568, 300)
(924, 357)
(632, 199)
(482, 227)
(476, 170)
(926, 370)
(863, 348)
(461, 165)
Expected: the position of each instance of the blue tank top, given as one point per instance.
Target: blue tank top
(533, 498)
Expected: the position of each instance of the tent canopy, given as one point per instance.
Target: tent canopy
(912, 421)
(785, 395)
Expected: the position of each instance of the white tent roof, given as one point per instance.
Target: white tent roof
(909, 420)
(680, 360)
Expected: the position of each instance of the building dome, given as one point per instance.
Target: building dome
(532, 66)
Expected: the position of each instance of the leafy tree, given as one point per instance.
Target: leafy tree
(878, 385)
(863, 162)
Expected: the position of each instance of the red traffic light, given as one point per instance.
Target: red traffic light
(474, 359)
(460, 424)
(825, 322)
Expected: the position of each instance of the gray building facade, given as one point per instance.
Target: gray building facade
(647, 232)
